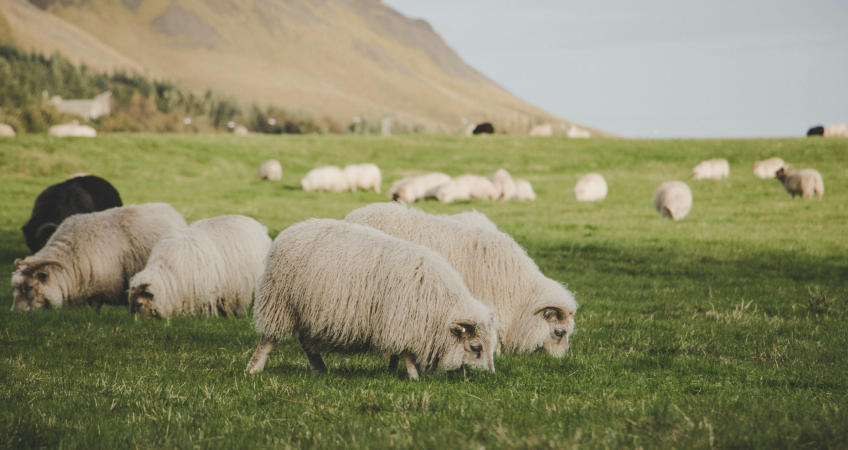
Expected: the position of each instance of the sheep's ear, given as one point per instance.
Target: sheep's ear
(48, 228)
(19, 263)
(141, 288)
(458, 329)
(551, 312)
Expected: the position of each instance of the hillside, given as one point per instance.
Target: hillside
(337, 58)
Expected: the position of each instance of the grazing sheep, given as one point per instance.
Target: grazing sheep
(544, 130)
(532, 312)
(524, 191)
(424, 186)
(91, 257)
(363, 176)
(240, 130)
(393, 190)
(6, 131)
(73, 129)
(475, 218)
(768, 168)
(483, 128)
(673, 199)
(466, 187)
(80, 194)
(801, 182)
(815, 131)
(327, 178)
(504, 184)
(211, 267)
(835, 130)
(591, 188)
(343, 287)
(271, 170)
(712, 169)
(575, 132)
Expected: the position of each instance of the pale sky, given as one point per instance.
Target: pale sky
(673, 68)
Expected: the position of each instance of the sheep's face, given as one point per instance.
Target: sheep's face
(405, 195)
(555, 329)
(142, 300)
(471, 346)
(34, 285)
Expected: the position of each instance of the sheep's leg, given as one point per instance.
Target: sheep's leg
(257, 363)
(393, 363)
(96, 302)
(409, 361)
(315, 359)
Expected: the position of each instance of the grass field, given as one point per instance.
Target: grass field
(727, 329)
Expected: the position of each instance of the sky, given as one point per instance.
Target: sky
(652, 68)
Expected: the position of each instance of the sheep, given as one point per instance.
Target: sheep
(835, 130)
(80, 194)
(393, 190)
(768, 168)
(475, 218)
(91, 257)
(424, 186)
(575, 132)
(524, 191)
(801, 182)
(544, 130)
(363, 176)
(343, 287)
(712, 169)
(7, 131)
(673, 199)
(504, 184)
(591, 188)
(271, 170)
(465, 187)
(211, 267)
(483, 128)
(240, 130)
(469, 130)
(327, 178)
(532, 312)
(73, 129)
(816, 131)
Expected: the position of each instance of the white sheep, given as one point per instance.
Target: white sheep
(575, 132)
(712, 169)
(211, 267)
(768, 168)
(343, 287)
(466, 187)
(363, 176)
(673, 199)
(424, 186)
(327, 178)
(591, 188)
(524, 190)
(73, 129)
(544, 130)
(6, 130)
(532, 312)
(504, 184)
(393, 190)
(271, 170)
(91, 257)
(475, 218)
(835, 130)
(801, 182)
(240, 130)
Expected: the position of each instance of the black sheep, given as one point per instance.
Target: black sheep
(484, 127)
(816, 131)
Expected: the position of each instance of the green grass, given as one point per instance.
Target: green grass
(726, 329)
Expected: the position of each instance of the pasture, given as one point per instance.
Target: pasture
(727, 329)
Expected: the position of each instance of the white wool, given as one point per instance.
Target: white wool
(424, 186)
(271, 170)
(466, 187)
(6, 131)
(504, 184)
(801, 182)
(393, 190)
(475, 218)
(363, 176)
(73, 129)
(768, 168)
(327, 178)
(496, 270)
(343, 287)
(91, 257)
(835, 130)
(212, 266)
(673, 199)
(575, 132)
(469, 130)
(712, 169)
(591, 188)
(523, 190)
(544, 130)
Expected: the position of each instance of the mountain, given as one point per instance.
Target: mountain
(336, 58)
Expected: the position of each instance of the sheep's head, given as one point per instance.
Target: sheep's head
(781, 173)
(560, 325)
(546, 325)
(142, 299)
(405, 194)
(471, 345)
(34, 284)
(37, 239)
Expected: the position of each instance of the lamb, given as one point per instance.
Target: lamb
(73, 129)
(465, 187)
(591, 188)
(271, 170)
(835, 130)
(712, 169)
(91, 257)
(327, 178)
(6, 131)
(363, 176)
(524, 191)
(801, 182)
(212, 267)
(343, 287)
(474, 218)
(424, 186)
(768, 168)
(673, 199)
(544, 130)
(78, 194)
(504, 184)
(532, 312)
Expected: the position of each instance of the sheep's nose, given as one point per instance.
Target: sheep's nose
(559, 333)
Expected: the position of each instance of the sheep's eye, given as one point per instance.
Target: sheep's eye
(42, 276)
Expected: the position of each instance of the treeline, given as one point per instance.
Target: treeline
(27, 80)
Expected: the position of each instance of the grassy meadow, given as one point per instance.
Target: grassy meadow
(727, 329)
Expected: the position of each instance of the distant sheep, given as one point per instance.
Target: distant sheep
(73, 129)
(271, 170)
(212, 267)
(475, 218)
(524, 191)
(483, 128)
(801, 182)
(91, 257)
(80, 194)
(327, 178)
(393, 190)
(466, 187)
(424, 186)
(768, 168)
(591, 188)
(504, 184)
(544, 130)
(363, 176)
(575, 132)
(816, 131)
(532, 311)
(343, 287)
(673, 199)
(835, 130)
(469, 130)
(6, 131)
(240, 130)
(712, 169)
